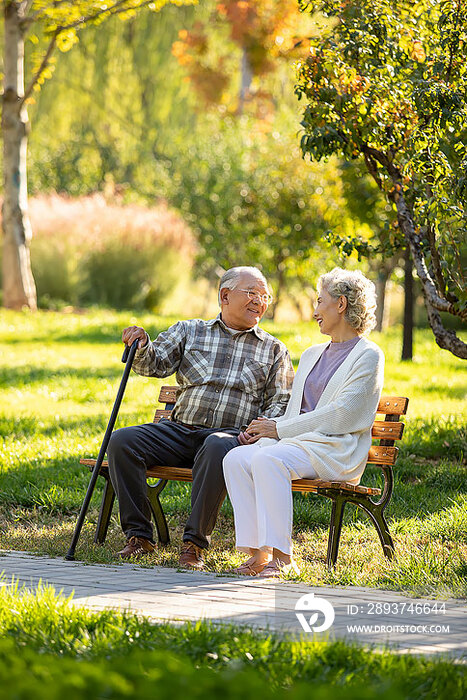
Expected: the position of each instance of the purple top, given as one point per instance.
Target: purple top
(328, 363)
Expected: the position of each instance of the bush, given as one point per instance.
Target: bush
(51, 649)
(89, 251)
(122, 275)
(54, 263)
(148, 674)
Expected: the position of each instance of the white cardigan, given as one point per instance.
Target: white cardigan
(337, 433)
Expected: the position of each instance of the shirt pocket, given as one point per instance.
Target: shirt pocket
(196, 365)
(253, 378)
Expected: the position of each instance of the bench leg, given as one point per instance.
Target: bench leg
(337, 513)
(157, 512)
(108, 498)
(382, 528)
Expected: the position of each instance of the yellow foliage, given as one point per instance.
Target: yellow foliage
(418, 52)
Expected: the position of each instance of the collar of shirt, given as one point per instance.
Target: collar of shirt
(260, 334)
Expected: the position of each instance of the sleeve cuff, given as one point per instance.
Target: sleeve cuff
(143, 350)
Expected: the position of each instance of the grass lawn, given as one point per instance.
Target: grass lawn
(50, 650)
(58, 379)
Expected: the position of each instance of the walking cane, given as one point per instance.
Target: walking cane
(128, 357)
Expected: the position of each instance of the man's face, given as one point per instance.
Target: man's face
(238, 310)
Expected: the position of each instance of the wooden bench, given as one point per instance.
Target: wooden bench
(383, 455)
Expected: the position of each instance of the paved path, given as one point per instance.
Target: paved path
(367, 615)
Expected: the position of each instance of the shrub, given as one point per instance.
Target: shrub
(51, 649)
(122, 275)
(91, 251)
(148, 674)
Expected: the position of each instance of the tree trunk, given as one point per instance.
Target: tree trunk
(382, 270)
(298, 307)
(446, 339)
(279, 290)
(245, 81)
(19, 289)
(407, 340)
(381, 282)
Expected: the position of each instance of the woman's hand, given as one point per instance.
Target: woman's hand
(262, 427)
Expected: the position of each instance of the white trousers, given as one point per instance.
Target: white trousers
(259, 486)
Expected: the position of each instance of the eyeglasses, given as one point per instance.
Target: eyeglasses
(263, 298)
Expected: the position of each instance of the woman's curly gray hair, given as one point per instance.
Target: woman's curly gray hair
(360, 293)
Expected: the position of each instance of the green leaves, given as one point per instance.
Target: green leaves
(387, 81)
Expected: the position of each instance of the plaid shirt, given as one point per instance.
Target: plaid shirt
(226, 379)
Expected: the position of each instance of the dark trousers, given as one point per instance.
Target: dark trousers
(132, 450)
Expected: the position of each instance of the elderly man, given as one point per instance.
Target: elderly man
(230, 371)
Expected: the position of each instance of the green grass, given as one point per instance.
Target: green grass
(58, 380)
(50, 649)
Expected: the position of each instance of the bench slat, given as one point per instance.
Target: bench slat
(393, 405)
(303, 485)
(161, 413)
(385, 430)
(168, 394)
(382, 455)
(377, 455)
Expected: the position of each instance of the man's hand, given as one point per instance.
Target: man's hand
(262, 427)
(133, 333)
(245, 439)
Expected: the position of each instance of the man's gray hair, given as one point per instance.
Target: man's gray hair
(230, 278)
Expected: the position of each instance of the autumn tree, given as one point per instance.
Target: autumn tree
(387, 83)
(51, 25)
(266, 34)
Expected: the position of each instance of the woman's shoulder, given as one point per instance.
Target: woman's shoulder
(371, 348)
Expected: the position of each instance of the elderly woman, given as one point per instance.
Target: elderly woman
(325, 432)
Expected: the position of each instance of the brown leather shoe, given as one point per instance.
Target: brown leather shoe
(136, 547)
(191, 556)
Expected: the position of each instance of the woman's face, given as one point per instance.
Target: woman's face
(329, 312)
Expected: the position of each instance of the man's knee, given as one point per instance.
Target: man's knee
(120, 440)
(217, 445)
(213, 451)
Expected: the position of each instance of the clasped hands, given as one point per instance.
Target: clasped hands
(258, 428)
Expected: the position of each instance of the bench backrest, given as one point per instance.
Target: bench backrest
(386, 431)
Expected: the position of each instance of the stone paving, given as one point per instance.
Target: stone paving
(366, 615)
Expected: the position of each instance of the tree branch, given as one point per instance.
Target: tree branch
(116, 9)
(25, 7)
(413, 239)
(445, 338)
(41, 69)
(435, 258)
(119, 7)
(33, 18)
(372, 169)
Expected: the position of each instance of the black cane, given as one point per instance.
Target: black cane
(128, 357)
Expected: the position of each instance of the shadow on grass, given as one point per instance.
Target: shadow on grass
(98, 334)
(55, 485)
(30, 375)
(449, 392)
(29, 427)
(109, 334)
